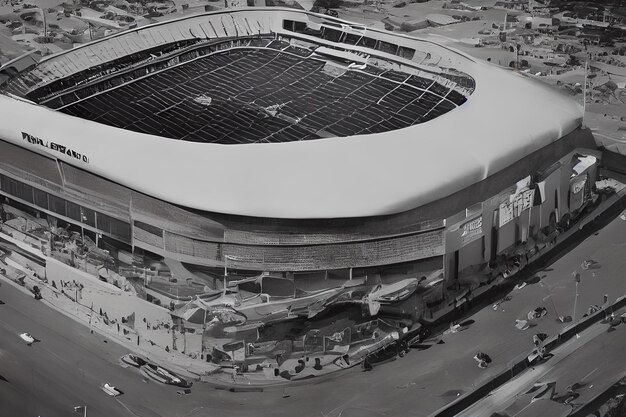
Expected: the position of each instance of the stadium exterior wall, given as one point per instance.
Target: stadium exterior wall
(304, 245)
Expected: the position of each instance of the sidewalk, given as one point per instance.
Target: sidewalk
(503, 396)
(54, 299)
(563, 344)
(448, 313)
(83, 297)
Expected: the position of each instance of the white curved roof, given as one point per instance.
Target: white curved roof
(506, 118)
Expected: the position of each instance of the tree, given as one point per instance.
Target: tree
(326, 4)
(573, 61)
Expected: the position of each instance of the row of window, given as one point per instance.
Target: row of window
(58, 205)
(336, 35)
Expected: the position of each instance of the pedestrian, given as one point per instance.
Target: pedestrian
(539, 338)
(483, 359)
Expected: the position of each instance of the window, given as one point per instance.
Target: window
(73, 211)
(387, 47)
(367, 42)
(104, 223)
(121, 230)
(88, 216)
(331, 34)
(407, 53)
(57, 205)
(41, 198)
(16, 188)
(24, 191)
(114, 227)
(294, 26)
(352, 39)
(300, 27)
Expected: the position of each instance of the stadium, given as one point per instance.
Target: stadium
(283, 141)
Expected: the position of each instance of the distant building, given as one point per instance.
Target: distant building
(512, 4)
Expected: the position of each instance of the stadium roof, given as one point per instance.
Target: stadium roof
(397, 122)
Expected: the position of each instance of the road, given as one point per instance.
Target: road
(594, 359)
(67, 366)
(49, 377)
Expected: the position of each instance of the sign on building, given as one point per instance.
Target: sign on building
(471, 230)
(519, 202)
(577, 193)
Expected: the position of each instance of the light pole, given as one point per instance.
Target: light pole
(203, 331)
(226, 258)
(45, 26)
(225, 274)
(81, 407)
(576, 276)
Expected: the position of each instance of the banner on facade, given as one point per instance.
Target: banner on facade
(519, 202)
(577, 195)
(471, 230)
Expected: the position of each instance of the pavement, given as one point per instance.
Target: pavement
(152, 323)
(63, 370)
(422, 381)
(594, 360)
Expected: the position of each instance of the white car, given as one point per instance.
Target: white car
(110, 390)
(27, 338)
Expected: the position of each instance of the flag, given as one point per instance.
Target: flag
(540, 193)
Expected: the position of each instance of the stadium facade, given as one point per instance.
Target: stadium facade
(281, 140)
